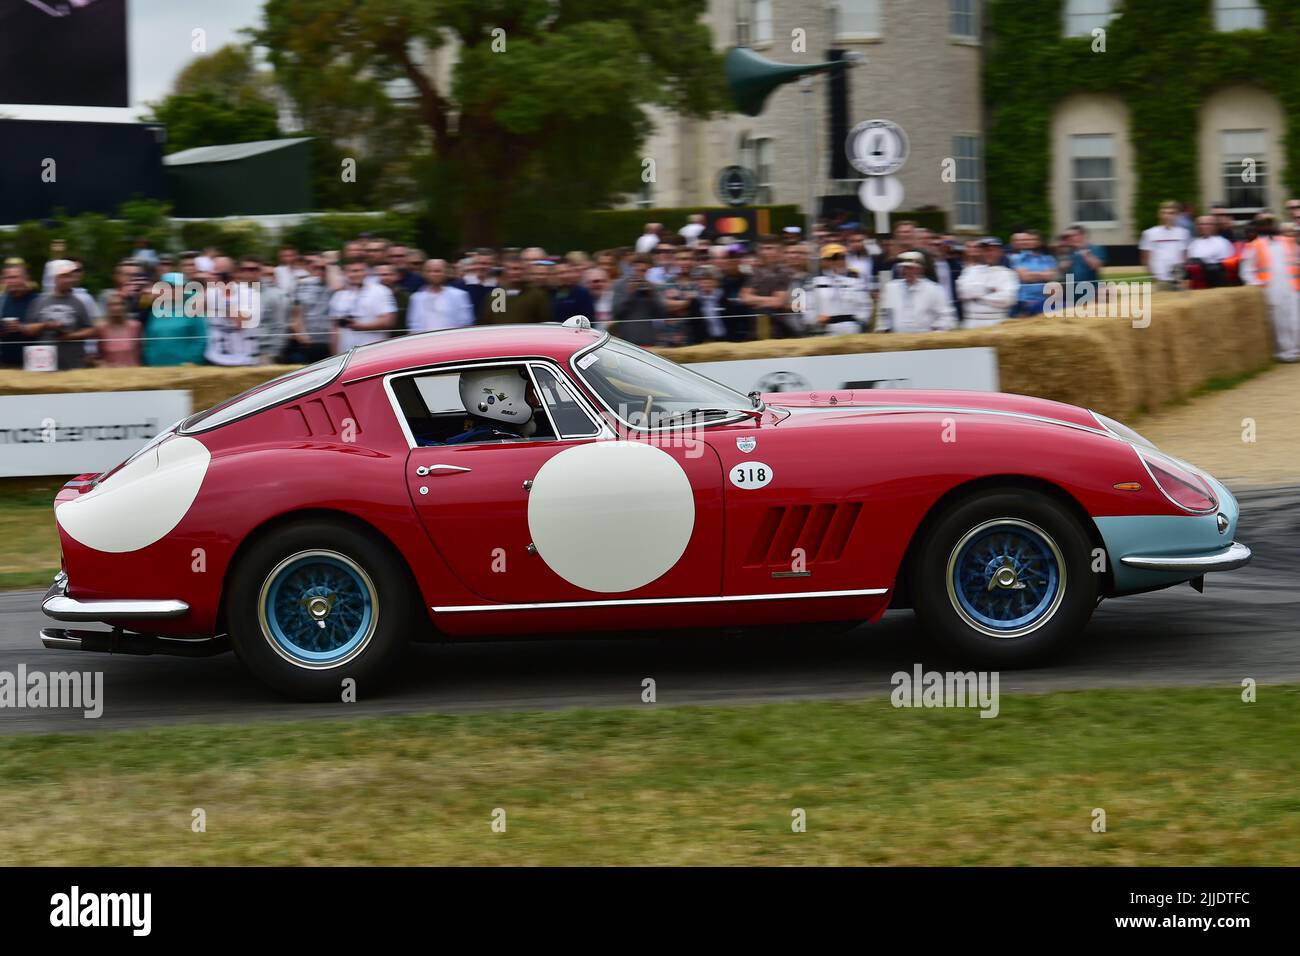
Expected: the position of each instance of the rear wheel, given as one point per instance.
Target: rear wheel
(1004, 577)
(318, 602)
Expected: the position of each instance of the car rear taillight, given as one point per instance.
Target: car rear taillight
(1180, 484)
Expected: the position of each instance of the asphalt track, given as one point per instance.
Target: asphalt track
(1246, 624)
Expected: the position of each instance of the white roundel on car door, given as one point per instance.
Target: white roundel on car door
(611, 516)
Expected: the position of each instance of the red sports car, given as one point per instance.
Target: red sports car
(550, 479)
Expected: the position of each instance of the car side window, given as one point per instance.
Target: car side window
(435, 414)
(571, 419)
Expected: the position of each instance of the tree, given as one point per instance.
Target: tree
(230, 71)
(206, 119)
(218, 98)
(544, 110)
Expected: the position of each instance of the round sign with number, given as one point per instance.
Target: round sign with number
(750, 475)
(736, 186)
(878, 147)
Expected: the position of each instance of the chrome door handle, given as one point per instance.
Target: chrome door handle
(439, 470)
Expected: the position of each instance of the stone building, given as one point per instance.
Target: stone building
(920, 68)
(923, 62)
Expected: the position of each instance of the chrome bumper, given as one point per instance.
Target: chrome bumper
(120, 642)
(60, 607)
(1234, 556)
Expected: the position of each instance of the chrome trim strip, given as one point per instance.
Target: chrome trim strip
(951, 409)
(546, 409)
(593, 416)
(60, 607)
(634, 602)
(1234, 556)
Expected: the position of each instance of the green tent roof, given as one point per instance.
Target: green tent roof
(230, 151)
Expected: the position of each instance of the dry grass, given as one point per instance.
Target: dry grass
(1248, 434)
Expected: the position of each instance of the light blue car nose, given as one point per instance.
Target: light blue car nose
(1153, 551)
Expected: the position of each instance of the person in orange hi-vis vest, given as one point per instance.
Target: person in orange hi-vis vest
(1270, 261)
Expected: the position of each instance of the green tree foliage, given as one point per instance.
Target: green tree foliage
(1163, 58)
(531, 108)
(218, 98)
(207, 119)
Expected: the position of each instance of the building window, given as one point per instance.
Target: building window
(963, 19)
(761, 21)
(1084, 16)
(756, 156)
(1232, 15)
(753, 22)
(744, 29)
(969, 200)
(1245, 169)
(1092, 178)
(858, 18)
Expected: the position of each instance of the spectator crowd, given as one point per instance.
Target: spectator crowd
(665, 289)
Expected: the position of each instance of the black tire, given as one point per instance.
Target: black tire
(384, 585)
(956, 624)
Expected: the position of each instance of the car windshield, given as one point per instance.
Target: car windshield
(645, 391)
(281, 389)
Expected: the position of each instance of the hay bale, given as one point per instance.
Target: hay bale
(208, 384)
(1102, 363)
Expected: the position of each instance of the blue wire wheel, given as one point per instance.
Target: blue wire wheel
(318, 609)
(1006, 577)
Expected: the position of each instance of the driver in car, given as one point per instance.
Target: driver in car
(501, 403)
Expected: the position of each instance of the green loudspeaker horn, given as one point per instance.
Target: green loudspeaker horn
(750, 77)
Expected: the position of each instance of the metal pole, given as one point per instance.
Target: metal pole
(809, 167)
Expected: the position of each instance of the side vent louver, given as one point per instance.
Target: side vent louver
(323, 415)
(822, 531)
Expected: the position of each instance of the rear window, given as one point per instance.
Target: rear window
(285, 388)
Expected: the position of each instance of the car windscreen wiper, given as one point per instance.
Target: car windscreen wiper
(710, 412)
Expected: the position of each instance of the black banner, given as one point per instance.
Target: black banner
(930, 907)
(63, 53)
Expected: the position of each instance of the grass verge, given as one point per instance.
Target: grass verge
(29, 542)
(1185, 776)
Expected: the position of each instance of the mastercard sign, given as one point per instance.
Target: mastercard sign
(732, 225)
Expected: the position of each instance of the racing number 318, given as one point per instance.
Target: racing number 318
(752, 474)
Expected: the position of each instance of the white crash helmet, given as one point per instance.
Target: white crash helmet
(499, 395)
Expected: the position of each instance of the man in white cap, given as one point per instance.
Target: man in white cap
(61, 316)
(915, 303)
(837, 301)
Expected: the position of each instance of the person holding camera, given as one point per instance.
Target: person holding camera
(362, 311)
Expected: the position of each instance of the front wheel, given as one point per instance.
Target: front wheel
(1005, 577)
(316, 603)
